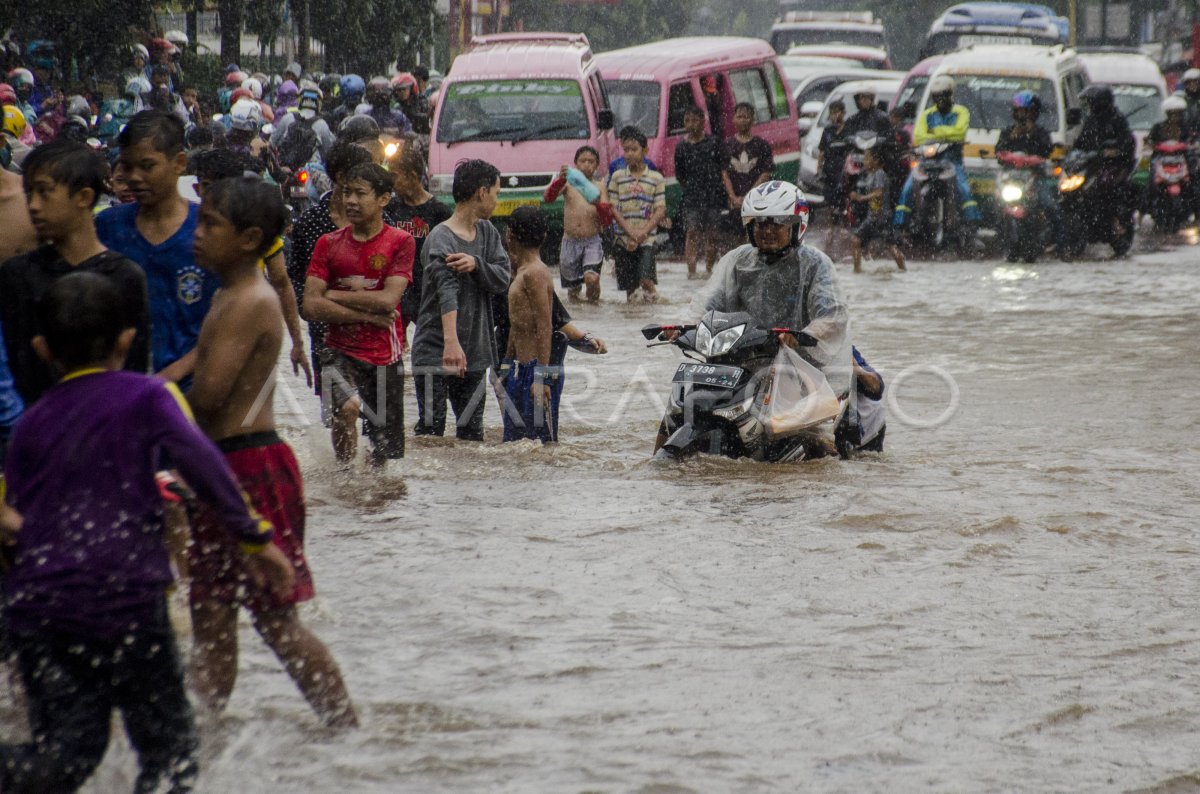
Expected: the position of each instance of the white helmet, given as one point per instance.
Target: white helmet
(941, 84)
(176, 37)
(140, 51)
(1174, 103)
(253, 85)
(137, 86)
(1191, 74)
(246, 114)
(779, 202)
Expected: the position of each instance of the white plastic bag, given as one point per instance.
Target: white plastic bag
(798, 398)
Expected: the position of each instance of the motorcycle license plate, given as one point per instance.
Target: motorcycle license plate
(715, 375)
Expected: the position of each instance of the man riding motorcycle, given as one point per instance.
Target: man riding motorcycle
(943, 122)
(1175, 127)
(782, 283)
(870, 118)
(1191, 94)
(1106, 130)
(1027, 137)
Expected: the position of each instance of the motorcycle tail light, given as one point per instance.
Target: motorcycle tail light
(302, 177)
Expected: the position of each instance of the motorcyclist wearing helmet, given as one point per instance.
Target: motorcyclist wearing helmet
(1174, 126)
(307, 112)
(351, 89)
(43, 59)
(21, 80)
(1191, 94)
(1024, 135)
(783, 283)
(942, 122)
(414, 105)
(1105, 128)
(379, 97)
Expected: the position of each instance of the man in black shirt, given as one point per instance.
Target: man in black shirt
(698, 170)
(833, 148)
(62, 181)
(416, 211)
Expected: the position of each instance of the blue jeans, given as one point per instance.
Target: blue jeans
(970, 207)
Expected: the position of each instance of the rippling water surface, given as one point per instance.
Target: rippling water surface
(1004, 601)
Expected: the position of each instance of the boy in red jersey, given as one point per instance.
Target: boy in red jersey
(355, 281)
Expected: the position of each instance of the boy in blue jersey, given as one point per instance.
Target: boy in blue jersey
(156, 232)
(85, 596)
(866, 421)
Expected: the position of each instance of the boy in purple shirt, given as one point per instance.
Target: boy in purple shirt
(83, 522)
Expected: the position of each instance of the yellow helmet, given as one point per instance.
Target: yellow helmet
(14, 121)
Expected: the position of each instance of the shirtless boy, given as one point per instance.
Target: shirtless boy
(232, 397)
(527, 377)
(16, 233)
(582, 253)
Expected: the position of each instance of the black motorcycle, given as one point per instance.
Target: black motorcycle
(1095, 194)
(937, 220)
(1025, 230)
(719, 396)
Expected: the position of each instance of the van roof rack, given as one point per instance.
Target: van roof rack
(863, 17)
(527, 38)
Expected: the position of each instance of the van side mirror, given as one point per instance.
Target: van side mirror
(605, 120)
(1074, 117)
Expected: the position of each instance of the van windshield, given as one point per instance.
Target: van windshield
(636, 103)
(783, 39)
(989, 99)
(506, 110)
(1139, 104)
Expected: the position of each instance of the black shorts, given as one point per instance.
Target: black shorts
(705, 219)
(875, 227)
(633, 266)
(381, 389)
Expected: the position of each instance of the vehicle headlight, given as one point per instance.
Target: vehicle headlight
(930, 152)
(441, 184)
(718, 345)
(1072, 182)
(1011, 193)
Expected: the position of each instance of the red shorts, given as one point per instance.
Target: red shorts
(267, 471)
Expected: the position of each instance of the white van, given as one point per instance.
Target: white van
(985, 79)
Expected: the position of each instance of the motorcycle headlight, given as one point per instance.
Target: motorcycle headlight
(726, 339)
(703, 339)
(929, 152)
(1011, 193)
(1072, 182)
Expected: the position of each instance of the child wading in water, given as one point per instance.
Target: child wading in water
(582, 253)
(232, 396)
(873, 192)
(85, 596)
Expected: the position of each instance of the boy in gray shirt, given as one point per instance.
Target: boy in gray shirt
(464, 265)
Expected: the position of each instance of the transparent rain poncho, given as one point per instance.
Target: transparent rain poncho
(798, 290)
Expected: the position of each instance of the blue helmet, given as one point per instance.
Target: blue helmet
(352, 85)
(1028, 100)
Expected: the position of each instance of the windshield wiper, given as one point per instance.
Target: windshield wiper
(544, 131)
(481, 135)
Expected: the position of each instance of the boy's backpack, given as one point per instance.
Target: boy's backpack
(298, 144)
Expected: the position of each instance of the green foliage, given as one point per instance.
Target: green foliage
(95, 34)
(610, 27)
(367, 36)
(264, 18)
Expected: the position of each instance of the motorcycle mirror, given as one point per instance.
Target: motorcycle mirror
(651, 331)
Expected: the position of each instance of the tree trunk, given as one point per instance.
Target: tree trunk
(231, 29)
(192, 24)
(300, 14)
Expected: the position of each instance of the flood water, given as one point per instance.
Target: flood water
(1005, 600)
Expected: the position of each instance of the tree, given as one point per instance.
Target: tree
(83, 31)
(366, 36)
(230, 12)
(624, 24)
(264, 18)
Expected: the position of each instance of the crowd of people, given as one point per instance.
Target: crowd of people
(140, 332)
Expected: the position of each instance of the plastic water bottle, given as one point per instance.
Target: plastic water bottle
(585, 186)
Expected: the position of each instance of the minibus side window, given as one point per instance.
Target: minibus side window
(679, 100)
(749, 86)
(781, 94)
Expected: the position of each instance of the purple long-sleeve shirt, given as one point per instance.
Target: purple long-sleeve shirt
(91, 557)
